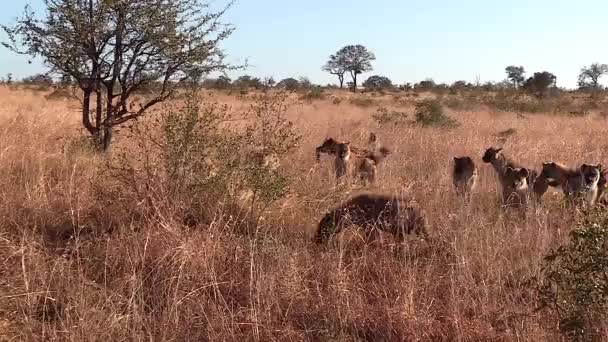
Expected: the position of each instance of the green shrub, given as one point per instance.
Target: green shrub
(190, 162)
(574, 278)
(430, 113)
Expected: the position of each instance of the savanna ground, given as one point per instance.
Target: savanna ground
(82, 260)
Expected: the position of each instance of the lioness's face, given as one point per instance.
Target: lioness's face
(491, 154)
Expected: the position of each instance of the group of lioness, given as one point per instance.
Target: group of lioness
(520, 185)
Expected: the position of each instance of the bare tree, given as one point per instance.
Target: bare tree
(115, 48)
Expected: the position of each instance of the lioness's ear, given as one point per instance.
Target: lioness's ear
(509, 170)
(498, 149)
(524, 173)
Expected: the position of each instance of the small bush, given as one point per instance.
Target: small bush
(430, 113)
(362, 102)
(457, 103)
(198, 164)
(315, 93)
(573, 280)
(384, 116)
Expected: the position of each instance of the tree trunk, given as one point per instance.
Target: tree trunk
(107, 138)
(354, 82)
(341, 78)
(86, 108)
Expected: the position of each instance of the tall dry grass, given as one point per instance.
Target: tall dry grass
(128, 276)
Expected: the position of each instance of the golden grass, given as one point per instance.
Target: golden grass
(151, 279)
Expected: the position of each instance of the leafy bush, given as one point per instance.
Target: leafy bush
(191, 162)
(378, 83)
(574, 282)
(289, 84)
(384, 116)
(430, 113)
(362, 102)
(315, 93)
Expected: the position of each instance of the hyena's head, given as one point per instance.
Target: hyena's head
(517, 178)
(591, 174)
(491, 154)
(343, 150)
(326, 227)
(462, 164)
(551, 171)
(419, 222)
(384, 152)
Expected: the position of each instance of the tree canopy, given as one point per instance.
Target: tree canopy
(377, 82)
(540, 83)
(115, 48)
(589, 78)
(516, 74)
(355, 59)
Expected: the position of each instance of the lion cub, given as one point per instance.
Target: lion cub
(464, 176)
(370, 212)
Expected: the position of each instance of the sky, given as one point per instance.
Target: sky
(445, 40)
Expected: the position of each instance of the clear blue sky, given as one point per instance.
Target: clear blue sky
(443, 39)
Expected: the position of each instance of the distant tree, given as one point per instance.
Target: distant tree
(337, 67)
(488, 86)
(66, 80)
(378, 83)
(247, 81)
(406, 86)
(269, 82)
(589, 77)
(516, 74)
(304, 82)
(289, 84)
(223, 82)
(504, 84)
(540, 83)
(427, 84)
(9, 78)
(39, 80)
(355, 59)
(114, 49)
(459, 85)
